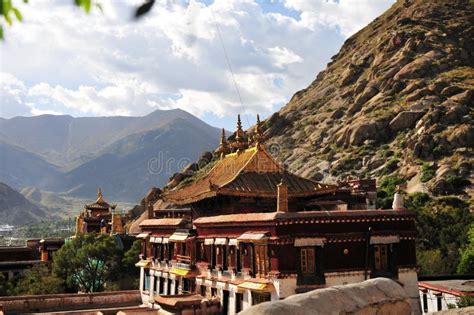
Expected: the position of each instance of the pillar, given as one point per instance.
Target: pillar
(282, 197)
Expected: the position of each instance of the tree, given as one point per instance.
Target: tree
(466, 265)
(39, 280)
(5, 286)
(88, 262)
(442, 225)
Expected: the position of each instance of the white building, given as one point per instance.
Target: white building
(438, 295)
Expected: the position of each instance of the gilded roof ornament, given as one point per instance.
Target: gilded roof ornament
(100, 197)
(240, 141)
(223, 147)
(259, 137)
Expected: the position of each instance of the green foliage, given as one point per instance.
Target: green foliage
(431, 262)
(386, 191)
(466, 265)
(39, 280)
(390, 166)
(6, 287)
(456, 183)
(7, 10)
(88, 262)
(131, 256)
(442, 226)
(427, 172)
(465, 301)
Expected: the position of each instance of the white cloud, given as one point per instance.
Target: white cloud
(283, 56)
(347, 15)
(62, 60)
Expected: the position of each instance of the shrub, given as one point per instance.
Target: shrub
(427, 172)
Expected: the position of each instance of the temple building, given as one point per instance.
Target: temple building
(246, 230)
(99, 217)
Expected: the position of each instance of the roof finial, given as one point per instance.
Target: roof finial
(239, 136)
(100, 197)
(259, 137)
(223, 147)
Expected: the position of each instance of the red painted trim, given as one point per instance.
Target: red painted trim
(443, 289)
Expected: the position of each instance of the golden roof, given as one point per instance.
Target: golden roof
(251, 173)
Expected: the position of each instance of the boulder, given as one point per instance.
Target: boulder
(350, 75)
(463, 98)
(405, 120)
(369, 92)
(374, 296)
(418, 67)
(451, 90)
(411, 87)
(462, 136)
(417, 94)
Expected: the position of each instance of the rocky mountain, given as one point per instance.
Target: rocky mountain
(15, 209)
(396, 101)
(123, 155)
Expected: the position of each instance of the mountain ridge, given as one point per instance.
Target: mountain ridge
(59, 147)
(395, 101)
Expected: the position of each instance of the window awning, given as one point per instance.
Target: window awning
(156, 239)
(221, 241)
(233, 242)
(385, 239)
(258, 287)
(253, 236)
(185, 273)
(143, 235)
(178, 237)
(208, 241)
(309, 241)
(143, 263)
(165, 240)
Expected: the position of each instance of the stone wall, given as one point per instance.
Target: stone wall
(376, 296)
(64, 302)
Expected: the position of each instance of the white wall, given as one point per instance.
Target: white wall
(432, 299)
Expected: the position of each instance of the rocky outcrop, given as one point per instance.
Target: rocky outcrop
(403, 86)
(405, 120)
(375, 296)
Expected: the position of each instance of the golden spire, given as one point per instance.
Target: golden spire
(239, 144)
(259, 137)
(100, 197)
(223, 147)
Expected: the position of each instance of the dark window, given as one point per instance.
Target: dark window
(225, 302)
(239, 300)
(213, 291)
(186, 286)
(203, 290)
(439, 302)
(381, 257)
(258, 298)
(307, 260)
(425, 302)
(239, 259)
(162, 286)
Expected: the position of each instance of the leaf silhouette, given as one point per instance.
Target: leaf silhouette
(144, 8)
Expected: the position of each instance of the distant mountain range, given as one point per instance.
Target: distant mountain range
(123, 155)
(15, 209)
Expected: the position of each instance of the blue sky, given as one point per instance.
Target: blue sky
(62, 61)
